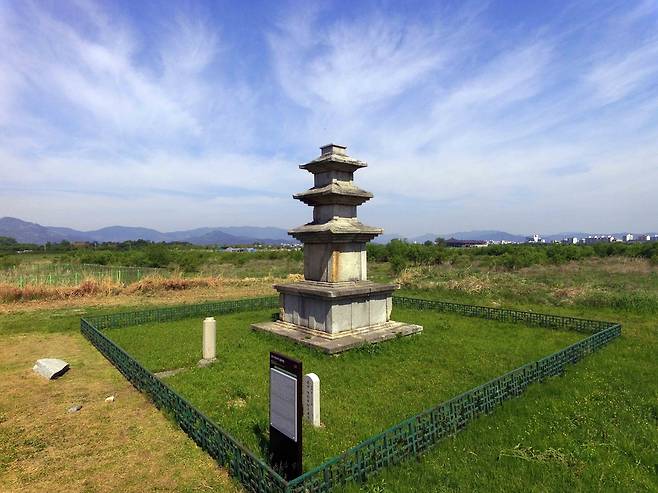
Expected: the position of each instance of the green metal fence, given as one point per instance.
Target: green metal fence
(117, 320)
(56, 274)
(405, 440)
(252, 472)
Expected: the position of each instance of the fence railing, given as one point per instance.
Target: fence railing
(74, 274)
(416, 434)
(505, 314)
(251, 471)
(405, 440)
(116, 320)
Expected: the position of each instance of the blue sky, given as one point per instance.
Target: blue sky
(521, 116)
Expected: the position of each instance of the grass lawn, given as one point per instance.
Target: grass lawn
(364, 391)
(593, 429)
(127, 445)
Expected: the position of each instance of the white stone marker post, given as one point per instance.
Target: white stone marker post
(311, 398)
(209, 339)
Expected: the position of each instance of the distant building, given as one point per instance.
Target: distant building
(535, 239)
(627, 237)
(641, 238)
(455, 243)
(592, 240)
(571, 241)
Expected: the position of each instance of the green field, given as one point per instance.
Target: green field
(363, 391)
(593, 429)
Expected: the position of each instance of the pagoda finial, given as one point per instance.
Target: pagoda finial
(333, 149)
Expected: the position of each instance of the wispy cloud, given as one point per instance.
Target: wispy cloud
(346, 65)
(625, 74)
(471, 117)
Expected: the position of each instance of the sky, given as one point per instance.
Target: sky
(518, 116)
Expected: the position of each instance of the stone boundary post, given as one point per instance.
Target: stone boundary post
(311, 398)
(209, 339)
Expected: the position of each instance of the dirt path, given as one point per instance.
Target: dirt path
(127, 445)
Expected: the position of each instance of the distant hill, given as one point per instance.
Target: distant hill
(385, 238)
(486, 235)
(464, 235)
(27, 232)
(125, 233)
(219, 237)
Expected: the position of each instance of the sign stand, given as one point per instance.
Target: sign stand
(286, 415)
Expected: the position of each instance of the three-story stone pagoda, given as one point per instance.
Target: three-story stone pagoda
(335, 307)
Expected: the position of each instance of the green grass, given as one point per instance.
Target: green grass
(364, 391)
(593, 429)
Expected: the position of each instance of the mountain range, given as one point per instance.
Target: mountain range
(27, 232)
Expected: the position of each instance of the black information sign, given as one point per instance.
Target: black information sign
(286, 415)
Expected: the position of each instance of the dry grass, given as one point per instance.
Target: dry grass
(160, 291)
(610, 265)
(88, 287)
(127, 445)
(148, 285)
(571, 294)
(470, 284)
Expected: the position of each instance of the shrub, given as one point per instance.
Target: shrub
(398, 263)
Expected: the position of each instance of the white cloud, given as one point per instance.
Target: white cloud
(619, 76)
(464, 122)
(345, 65)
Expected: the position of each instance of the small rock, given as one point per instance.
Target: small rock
(50, 368)
(169, 373)
(75, 409)
(110, 399)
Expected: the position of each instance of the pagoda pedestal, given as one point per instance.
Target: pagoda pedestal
(336, 307)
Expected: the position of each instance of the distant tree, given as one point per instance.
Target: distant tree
(6, 241)
(158, 255)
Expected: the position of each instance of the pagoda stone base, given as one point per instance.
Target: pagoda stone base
(334, 317)
(324, 342)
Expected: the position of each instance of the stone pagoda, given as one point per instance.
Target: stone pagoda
(335, 307)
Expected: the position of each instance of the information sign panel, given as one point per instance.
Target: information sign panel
(286, 415)
(283, 402)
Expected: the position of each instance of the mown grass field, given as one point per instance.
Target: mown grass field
(363, 391)
(593, 429)
(126, 445)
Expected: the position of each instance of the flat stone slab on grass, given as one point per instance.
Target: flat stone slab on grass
(327, 343)
(169, 373)
(51, 368)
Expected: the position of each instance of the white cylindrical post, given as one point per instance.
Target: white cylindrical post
(209, 338)
(311, 398)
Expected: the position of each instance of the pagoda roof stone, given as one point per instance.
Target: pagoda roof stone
(338, 229)
(333, 158)
(337, 192)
